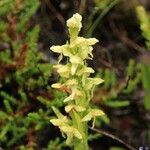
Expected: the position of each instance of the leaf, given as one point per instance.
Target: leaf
(145, 76)
(147, 101)
(118, 103)
(130, 68)
(107, 79)
(34, 116)
(57, 112)
(3, 115)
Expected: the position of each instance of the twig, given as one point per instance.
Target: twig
(113, 137)
(82, 6)
(125, 39)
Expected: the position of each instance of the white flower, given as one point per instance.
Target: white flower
(93, 113)
(60, 121)
(64, 49)
(85, 70)
(71, 130)
(91, 82)
(84, 46)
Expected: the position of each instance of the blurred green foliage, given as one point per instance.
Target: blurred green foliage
(144, 20)
(25, 94)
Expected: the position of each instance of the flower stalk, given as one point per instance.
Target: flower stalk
(79, 84)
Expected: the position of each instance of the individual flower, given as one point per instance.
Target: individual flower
(91, 82)
(85, 70)
(83, 46)
(71, 130)
(92, 115)
(74, 95)
(63, 50)
(78, 108)
(63, 70)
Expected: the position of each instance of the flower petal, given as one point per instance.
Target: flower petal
(56, 85)
(96, 112)
(91, 41)
(56, 49)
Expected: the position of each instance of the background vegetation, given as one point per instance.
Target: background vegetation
(29, 28)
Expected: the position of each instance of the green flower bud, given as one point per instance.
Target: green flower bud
(75, 21)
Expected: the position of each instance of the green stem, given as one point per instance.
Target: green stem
(83, 129)
(82, 144)
(100, 17)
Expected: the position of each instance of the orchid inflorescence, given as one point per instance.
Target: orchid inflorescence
(80, 85)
